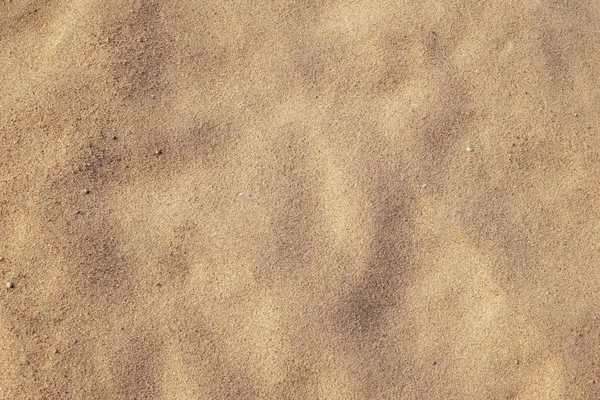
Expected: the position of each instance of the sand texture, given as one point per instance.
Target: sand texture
(376, 199)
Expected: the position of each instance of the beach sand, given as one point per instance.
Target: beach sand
(299, 199)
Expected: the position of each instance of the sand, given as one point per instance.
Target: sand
(299, 199)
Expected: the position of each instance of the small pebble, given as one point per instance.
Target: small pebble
(424, 185)
(158, 152)
(1, 259)
(469, 149)
(240, 194)
(86, 191)
(10, 285)
(78, 212)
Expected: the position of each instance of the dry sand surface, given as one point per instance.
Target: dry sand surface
(299, 199)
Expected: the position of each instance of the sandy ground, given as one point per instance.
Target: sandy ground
(299, 199)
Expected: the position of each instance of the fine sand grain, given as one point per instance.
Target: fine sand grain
(287, 199)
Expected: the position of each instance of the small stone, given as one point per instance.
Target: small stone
(1, 258)
(158, 152)
(10, 285)
(78, 212)
(424, 185)
(469, 149)
(240, 194)
(86, 191)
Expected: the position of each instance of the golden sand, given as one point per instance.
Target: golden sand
(299, 199)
